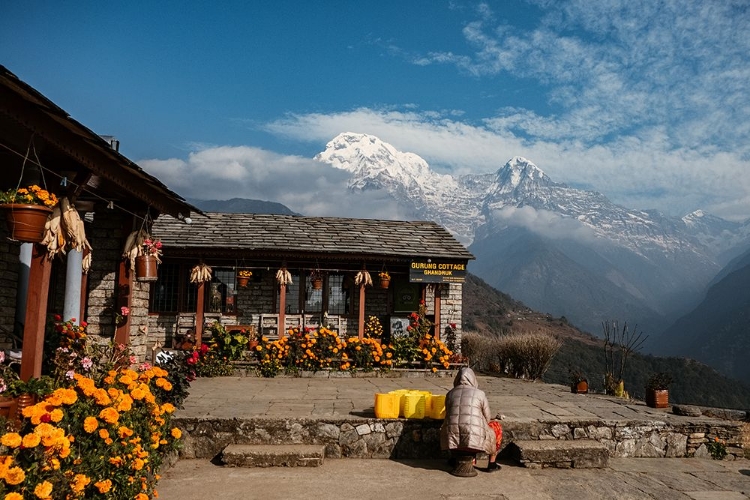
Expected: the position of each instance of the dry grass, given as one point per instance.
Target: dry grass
(521, 355)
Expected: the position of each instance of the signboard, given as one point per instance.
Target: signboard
(430, 271)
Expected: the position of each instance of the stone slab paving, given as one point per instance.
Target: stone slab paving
(669, 479)
(250, 397)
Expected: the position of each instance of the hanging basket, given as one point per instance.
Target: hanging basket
(384, 283)
(242, 281)
(26, 222)
(146, 267)
(317, 284)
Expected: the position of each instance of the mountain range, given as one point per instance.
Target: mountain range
(569, 252)
(562, 250)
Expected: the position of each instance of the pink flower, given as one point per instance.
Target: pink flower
(70, 374)
(144, 367)
(133, 360)
(124, 310)
(87, 363)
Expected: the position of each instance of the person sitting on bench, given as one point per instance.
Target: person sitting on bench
(468, 427)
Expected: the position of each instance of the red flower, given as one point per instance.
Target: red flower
(46, 418)
(58, 317)
(204, 348)
(453, 325)
(84, 324)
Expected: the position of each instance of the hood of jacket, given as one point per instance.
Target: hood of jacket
(466, 377)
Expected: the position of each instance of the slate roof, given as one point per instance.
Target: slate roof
(318, 235)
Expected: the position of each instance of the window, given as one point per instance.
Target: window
(333, 298)
(173, 292)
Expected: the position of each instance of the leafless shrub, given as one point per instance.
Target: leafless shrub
(527, 355)
(480, 350)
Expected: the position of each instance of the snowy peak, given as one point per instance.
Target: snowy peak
(374, 163)
(519, 174)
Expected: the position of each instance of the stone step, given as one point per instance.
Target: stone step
(563, 454)
(273, 455)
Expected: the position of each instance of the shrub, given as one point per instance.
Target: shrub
(229, 345)
(102, 432)
(480, 350)
(528, 355)
(207, 362)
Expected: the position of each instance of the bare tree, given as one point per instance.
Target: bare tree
(618, 346)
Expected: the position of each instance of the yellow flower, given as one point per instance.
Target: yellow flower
(13, 496)
(103, 486)
(43, 490)
(124, 432)
(15, 475)
(176, 433)
(141, 496)
(90, 424)
(104, 433)
(11, 440)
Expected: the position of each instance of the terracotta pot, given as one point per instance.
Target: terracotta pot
(384, 283)
(26, 222)
(23, 401)
(242, 281)
(146, 268)
(657, 398)
(581, 387)
(317, 284)
(252, 345)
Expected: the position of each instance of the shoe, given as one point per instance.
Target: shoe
(492, 467)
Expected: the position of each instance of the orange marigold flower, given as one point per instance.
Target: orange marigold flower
(137, 393)
(176, 433)
(168, 408)
(109, 415)
(15, 475)
(124, 432)
(43, 490)
(13, 496)
(90, 424)
(11, 440)
(141, 496)
(104, 433)
(56, 415)
(103, 486)
(31, 440)
(80, 482)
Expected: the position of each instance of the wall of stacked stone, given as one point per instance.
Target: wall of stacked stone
(644, 439)
(350, 438)
(9, 266)
(107, 239)
(402, 438)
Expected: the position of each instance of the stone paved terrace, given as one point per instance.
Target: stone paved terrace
(338, 412)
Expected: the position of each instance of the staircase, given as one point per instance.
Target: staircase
(275, 455)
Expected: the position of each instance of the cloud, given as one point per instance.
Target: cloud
(302, 184)
(544, 223)
(629, 169)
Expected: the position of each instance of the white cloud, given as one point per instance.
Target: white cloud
(305, 186)
(544, 223)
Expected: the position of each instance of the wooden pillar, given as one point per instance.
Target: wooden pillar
(361, 327)
(438, 289)
(123, 287)
(282, 309)
(36, 312)
(199, 319)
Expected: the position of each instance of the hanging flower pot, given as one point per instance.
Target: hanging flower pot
(146, 267)
(26, 222)
(317, 284)
(243, 277)
(385, 280)
(242, 281)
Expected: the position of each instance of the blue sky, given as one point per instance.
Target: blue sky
(645, 101)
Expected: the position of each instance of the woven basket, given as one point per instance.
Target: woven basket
(387, 405)
(436, 407)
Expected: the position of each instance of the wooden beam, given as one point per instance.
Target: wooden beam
(282, 310)
(199, 318)
(438, 294)
(361, 326)
(36, 312)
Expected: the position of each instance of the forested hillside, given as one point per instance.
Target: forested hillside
(490, 312)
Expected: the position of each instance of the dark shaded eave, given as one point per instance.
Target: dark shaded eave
(36, 113)
(288, 237)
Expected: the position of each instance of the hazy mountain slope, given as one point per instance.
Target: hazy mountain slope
(242, 206)
(717, 331)
(490, 312)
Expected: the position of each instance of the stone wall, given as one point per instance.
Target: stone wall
(9, 266)
(402, 438)
(107, 240)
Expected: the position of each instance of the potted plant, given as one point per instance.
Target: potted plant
(657, 390)
(316, 279)
(26, 211)
(146, 264)
(243, 277)
(385, 279)
(578, 382)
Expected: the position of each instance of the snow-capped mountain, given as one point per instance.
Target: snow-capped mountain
(633, 262)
